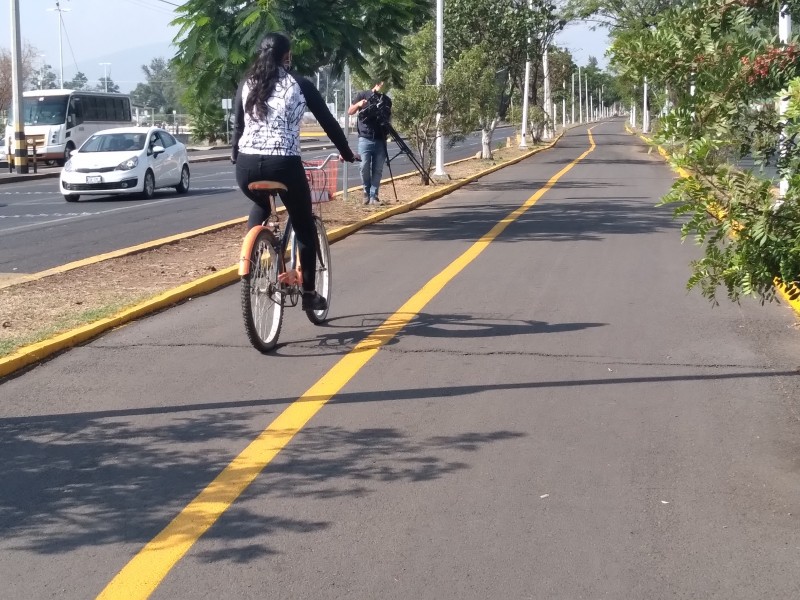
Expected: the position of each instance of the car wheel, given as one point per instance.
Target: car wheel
(149, 188)
(183, 186)
(67, 150)
(72, 197)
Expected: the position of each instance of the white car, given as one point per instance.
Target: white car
(127, 160)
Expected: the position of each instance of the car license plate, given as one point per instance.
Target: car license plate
(94, 179)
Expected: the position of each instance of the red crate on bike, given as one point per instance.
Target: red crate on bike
(323, 178)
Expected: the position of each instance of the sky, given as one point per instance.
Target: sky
(130, 33)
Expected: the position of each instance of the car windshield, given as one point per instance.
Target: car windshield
(43, 110)
(114, 142)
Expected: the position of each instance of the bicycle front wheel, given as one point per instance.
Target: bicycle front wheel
(322, 277)
(262, 302)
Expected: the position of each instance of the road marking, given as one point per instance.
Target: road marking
(148, 568)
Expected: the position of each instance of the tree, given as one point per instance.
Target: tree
(726, 50)
(620, 14)
(161, 90)
(415, 106)
(28, 59)
(107, 85)
(510, 32)
(79, 82)
(44, 78)
(218, 38)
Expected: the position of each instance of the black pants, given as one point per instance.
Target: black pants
(287, 170)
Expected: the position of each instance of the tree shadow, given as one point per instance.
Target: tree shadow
(581, 217)
(88, 480)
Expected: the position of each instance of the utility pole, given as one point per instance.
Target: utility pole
(60, 10)
(20, 144)
(645, 111)
(580, 98)
(564, 105)
(439, 171)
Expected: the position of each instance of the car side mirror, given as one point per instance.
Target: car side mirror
(158, 150)
(73, 153)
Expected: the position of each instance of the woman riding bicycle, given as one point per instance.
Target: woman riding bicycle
(269, 107)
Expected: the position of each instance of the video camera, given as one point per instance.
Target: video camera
(377, 111)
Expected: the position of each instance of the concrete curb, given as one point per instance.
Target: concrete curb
(783, 289)
(30, 355)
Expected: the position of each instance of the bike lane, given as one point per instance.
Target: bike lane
(430, 474)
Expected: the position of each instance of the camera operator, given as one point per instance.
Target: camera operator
(373, 108)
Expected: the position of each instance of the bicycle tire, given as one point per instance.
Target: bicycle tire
(262, 304)
(323, 277)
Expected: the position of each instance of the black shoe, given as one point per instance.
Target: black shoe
(313, 301)
(366, 198)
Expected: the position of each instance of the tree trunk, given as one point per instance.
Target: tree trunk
(486, 138)
(425, 161)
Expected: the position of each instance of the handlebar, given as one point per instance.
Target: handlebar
(321, 166)
(324, 162)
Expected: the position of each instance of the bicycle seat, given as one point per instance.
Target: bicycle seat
(267, 186)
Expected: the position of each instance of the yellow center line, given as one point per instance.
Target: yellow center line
(148, 568)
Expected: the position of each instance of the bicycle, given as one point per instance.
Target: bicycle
(269, 263)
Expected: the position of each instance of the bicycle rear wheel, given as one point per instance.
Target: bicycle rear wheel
(262, 302)
(323, 276)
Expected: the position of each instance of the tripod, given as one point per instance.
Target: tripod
(404, 149)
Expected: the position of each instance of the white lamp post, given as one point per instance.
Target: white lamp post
(439, 171)
(526, 93)
(548, 103)
(60, 10)
(573, 99)
(784, 32)
(105, 73)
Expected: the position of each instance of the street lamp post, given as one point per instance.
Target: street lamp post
(580, 98)
(105, 73)
(548, 103)
(60, 10)
(784, 32)
(526, 93)
(41, 71)
(572, 99)
(439, 172)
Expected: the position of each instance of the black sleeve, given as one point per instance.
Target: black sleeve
(328, 122)
(238, 125)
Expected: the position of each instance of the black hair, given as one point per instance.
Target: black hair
(263, 74)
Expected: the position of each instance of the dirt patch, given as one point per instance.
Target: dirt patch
(36, 310)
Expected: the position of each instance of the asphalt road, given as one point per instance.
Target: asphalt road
(39, 230)
(557, 419)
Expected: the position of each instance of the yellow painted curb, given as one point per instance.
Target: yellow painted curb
(34, 353)
(122, 252)
(783, 289)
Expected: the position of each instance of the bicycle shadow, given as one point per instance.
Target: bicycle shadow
(340, 335)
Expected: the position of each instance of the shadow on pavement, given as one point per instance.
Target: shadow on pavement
(562, 219)
(85, 480)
